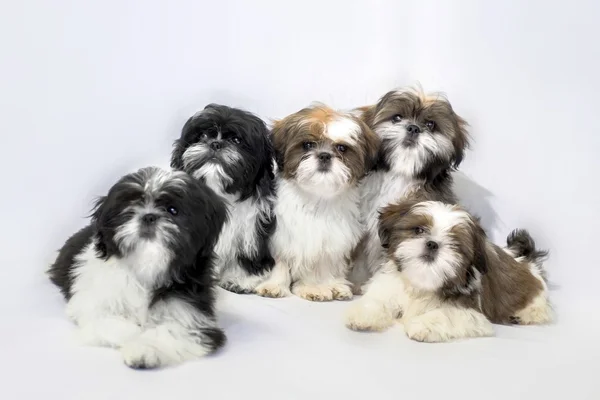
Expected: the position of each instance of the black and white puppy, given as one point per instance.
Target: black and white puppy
(140, 276)
(229, 149)
(422, 141)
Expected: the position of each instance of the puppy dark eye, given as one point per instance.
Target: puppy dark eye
(341, 148)
(430, 125)
(309, 145)
(172, 210)
(236, 140)
(396, 118)
(204, 136)
(419, 230)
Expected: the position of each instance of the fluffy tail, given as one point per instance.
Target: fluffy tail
(522, 244)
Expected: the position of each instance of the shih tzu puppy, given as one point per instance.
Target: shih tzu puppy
(446, 281)
(140, 277)
(322, 155)
(422, 141)
(230, 150)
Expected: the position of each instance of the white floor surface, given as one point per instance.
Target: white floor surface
(294, 349)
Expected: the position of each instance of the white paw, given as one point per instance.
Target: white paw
(341, 292)
(140, 355)
(313, 293)
(368, 316)
(268, 289)
(422, 331)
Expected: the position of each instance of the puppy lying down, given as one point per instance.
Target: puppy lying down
(444, 280)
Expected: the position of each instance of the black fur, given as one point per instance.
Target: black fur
(200, 216)
(251, 172)
(523, 245)
(60, 272)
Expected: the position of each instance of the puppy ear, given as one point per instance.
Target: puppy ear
(461, 139)
(372, 144)
(389, 216)
(480, 256)
(177, 155)
(278, 139)
(98, 211)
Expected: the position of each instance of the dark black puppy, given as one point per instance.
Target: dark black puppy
(140, 276)
(230, 150)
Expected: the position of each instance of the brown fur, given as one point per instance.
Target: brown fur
(507, 285)
(308, 125)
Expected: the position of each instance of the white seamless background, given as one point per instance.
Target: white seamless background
(92, 90)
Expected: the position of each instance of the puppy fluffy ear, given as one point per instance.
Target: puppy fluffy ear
(372, 143)
(480, 256)
(389, 216)
(278, 138)
(97, 217)
(461, 139)
(179, 146)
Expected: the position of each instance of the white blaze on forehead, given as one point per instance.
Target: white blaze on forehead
(343, 130)
(445, 216)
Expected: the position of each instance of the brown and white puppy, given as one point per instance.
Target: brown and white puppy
(322, 155)
(422, 141)
(446, 280)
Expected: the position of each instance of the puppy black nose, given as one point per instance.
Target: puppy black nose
(149, 219)
(215, 146)
(431, 245)
(324, 157)
(413, 131)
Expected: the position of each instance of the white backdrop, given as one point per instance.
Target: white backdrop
(92, 90)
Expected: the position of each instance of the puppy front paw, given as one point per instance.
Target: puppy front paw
(273, 290)
(342, 292)
(313, 293)
(368, 316)
(140, 355)
(424, 331)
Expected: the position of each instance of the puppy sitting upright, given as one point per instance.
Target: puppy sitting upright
(446, 280)
(140, 276)
(422, 141)
(229, 149)
(322, 155)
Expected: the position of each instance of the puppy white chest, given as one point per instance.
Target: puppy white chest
(312, 230)
(115, 286)
(378, 190)
(238, 235)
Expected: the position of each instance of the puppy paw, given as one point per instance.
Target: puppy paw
(422, 331)
(313, 293)
(268, 289)
(140, 355)
(368, 316)
(341, 292)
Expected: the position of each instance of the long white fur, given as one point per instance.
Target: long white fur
(315, 234)
(390, 296)
(110, 306)
(239, 231)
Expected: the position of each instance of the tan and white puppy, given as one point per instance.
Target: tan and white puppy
(446, 281)
(322, 155)
(422, 141)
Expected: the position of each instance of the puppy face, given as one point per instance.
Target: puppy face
(158, 209)
(436, 246)
(421, 134)
(323, 150)
(227, 147)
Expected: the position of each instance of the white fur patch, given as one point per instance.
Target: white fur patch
(343, 130)
(315, 235)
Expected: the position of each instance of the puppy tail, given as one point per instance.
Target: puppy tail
(522, 244)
